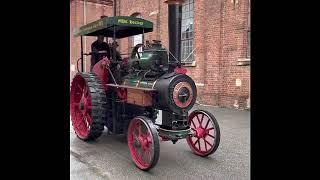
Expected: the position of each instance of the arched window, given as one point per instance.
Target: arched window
(187, 32)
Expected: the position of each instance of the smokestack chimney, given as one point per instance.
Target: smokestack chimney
(174, 25)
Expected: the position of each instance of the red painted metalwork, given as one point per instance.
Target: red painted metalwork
(180, 70)
(125, 62)
(204, 140)
(140, 143)
(100, 69)
(122, 94)
(80, 106)
(176, 90)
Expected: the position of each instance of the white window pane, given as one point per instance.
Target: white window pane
(188, 21)
(183, 22)
(187, 30)
(187, 8)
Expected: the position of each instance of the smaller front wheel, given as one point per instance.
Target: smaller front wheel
(143, 142)
(207, 133)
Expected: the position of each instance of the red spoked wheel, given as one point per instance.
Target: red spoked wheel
(143, 142)
(87, 106)
(207, 133)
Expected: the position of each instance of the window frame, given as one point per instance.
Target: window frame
(187, 37)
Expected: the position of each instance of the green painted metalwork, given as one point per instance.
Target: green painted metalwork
(150, 59)
(136, 82)
(124, 26)
(146, 60)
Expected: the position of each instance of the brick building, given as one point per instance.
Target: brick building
(215, 42)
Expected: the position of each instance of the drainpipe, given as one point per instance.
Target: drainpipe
(158, 21)
(85, 38)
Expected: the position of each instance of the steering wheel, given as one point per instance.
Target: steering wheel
(135, 51)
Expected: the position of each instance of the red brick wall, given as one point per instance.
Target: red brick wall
(219, 38)
(234, 46)
(93, 12)
(144, 8)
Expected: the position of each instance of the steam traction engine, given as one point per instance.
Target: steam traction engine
(125, 95)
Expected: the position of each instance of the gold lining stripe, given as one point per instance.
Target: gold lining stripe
(138, 83)
(125, 82)
(154, 83)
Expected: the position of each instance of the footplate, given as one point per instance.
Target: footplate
(167, 134)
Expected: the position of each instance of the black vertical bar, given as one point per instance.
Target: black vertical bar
(114, 114)
(114, 31)
(114, 7)
(174, 25)
(81, 55)
(143, 39)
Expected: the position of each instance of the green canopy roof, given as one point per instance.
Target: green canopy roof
(124, 26)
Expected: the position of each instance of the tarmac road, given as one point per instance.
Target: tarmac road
(109, 157)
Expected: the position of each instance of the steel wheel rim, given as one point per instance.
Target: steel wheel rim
(140, 142)
(80, 106)
(204, 141)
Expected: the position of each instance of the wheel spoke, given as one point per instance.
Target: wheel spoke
(194, 144)
(205, 144)
(145, 156)
(136, 145)
(210, 129)
(198, 119)
(78, 85)
(211, 135)
(134, 131)
(135, 137)
(201, 120)
(77, 124)
(149, 155)
(193, 123)
(199, 145)
(139, 129)
(208, 142)
(141, 154)
(148, 135)
(207, 124)
(81, 124)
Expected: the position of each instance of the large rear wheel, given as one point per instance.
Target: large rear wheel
(87, 106)
(143, 142)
